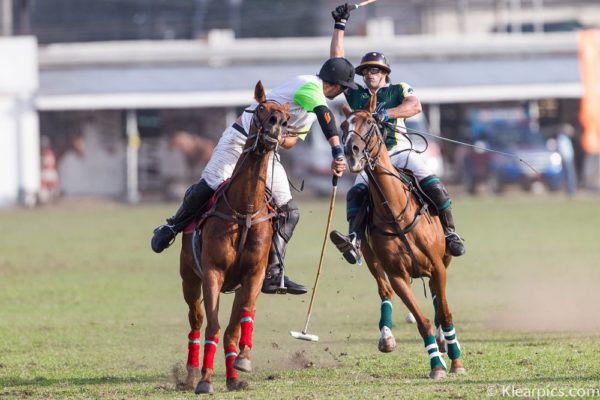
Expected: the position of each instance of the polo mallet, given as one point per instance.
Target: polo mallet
(303, 335)
(364, 3)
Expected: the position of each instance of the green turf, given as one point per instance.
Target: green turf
(88, 311)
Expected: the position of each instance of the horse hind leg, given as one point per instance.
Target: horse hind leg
(387, 341)
(402, 287)
(446, 331)
(192, 292)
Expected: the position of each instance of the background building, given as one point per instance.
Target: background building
(118, 79)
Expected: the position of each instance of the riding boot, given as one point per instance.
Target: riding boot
(194, 200)
(349, 245)
(436, 191)
(275, 279)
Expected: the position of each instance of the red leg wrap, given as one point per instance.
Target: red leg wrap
(193, 360)
(230, 355)
(210, 348)
(247, 324)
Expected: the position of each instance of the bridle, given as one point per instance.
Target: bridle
(371, 160)
(258, 123)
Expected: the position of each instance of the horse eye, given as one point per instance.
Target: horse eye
(261, 107)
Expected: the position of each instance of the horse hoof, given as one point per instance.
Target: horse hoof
(437, 374)
(193, 377)
(458, 370)
(387, 344)
(242, 364)
(204, 388)
(236, 384)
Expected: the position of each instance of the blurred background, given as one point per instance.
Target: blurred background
(125, 99)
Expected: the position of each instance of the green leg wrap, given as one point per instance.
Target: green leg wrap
(386, 314)
(452, 342)
(436, 320)
(435, 357)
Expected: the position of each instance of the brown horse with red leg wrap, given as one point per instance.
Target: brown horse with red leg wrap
(236, 238)
(404, 240)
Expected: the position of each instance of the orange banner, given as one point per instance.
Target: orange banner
(589, 115)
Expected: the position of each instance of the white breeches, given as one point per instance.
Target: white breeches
(405, 159)
(226, 155)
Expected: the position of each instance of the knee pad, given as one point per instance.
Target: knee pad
(198, 194)
(287, 220)
(355, 199)
(436, 191)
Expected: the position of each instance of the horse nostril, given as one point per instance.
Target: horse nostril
(355, 149)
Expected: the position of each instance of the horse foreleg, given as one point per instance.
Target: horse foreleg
(402, 287)
(436, 319)
(387, 341)
(247, 300)
(192, 291)
(211, 286)
(230, 340)
(445, 318)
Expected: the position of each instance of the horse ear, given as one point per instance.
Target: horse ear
(372, 104)
(346, 110)
(286, 107)
(259, 93)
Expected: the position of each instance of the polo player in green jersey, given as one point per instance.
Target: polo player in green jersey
(395, 103)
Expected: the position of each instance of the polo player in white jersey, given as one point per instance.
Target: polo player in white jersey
(307, 96)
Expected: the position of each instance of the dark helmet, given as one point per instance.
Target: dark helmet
(338, 70)
(373, 59)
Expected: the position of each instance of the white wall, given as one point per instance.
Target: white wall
(19, 130)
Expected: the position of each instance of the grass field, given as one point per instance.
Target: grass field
(88, 311)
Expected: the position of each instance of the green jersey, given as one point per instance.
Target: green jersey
(391, 96)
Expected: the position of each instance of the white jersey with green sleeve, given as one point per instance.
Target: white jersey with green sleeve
(303, 94)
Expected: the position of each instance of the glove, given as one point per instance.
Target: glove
(340, 16)
(381, 115)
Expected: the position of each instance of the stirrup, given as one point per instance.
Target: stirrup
(349, 246)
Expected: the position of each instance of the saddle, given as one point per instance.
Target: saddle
(424, 203)
(195, 227)
(416, 191)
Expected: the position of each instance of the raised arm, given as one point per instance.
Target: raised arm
(409, 107)
(340, 16)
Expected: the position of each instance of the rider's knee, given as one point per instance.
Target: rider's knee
(288, 219)
(355, 199)
(198, 193)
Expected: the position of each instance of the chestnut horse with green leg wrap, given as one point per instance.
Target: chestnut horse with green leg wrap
(402, 244)
(236, 238)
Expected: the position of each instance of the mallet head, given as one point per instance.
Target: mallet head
(304, 336)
